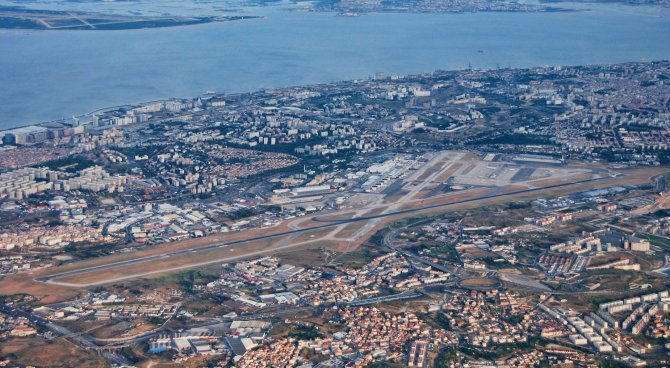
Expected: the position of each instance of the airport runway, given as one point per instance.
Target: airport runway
(327, 224)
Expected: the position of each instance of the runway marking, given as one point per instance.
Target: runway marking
(327, 224)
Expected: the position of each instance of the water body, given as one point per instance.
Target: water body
(47, 75)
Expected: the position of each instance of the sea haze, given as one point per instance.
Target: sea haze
(47, 75)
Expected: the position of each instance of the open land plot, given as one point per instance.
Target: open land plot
(349, 230)
(479, 283)
(194, 259)
(499, 174)
(522, 280)
(166, 248)
(375, 211)
(445, 175)
(394, 198)
(34, 351)
(553, 181)
(463, 195)
(435, 168)
(467, 169)
(46, 293)
(305, 256)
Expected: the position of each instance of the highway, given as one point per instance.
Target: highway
(388, 240)
(265, 315)
(294, 310)
(327, 224)
(386, 298)
(78, 339)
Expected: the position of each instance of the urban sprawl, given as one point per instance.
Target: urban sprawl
(500, 218)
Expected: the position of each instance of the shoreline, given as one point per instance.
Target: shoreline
(346, 81)
(143, 82)
(31, 19)
(194, 22)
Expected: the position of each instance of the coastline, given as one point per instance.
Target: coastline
(29, 19)
(112, 68)
(312, 85)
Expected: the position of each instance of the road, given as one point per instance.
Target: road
(327, 224)
(388, 241)
(265, 315)
(386, 298)
(390, 236)
(78, 339)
